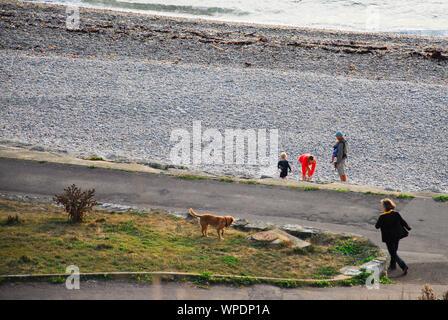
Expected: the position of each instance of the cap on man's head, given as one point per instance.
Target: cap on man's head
(338, 134)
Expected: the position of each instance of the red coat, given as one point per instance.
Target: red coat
(304, 160)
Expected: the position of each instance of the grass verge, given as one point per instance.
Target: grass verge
(191, 177)
(45, 242)
(95, 158)
(441, 198)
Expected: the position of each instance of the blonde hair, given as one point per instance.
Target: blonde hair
(388, 204)
(283, 155)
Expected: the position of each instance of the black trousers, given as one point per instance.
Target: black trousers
(392, 247)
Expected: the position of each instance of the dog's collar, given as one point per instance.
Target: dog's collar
(226, 222)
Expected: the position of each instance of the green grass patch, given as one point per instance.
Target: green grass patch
(404, 196)
(348, 247)
(303, 188)
(365, 260)
(138, 213)
(322, 284)
(95, 158)
(358, 250)
(226, 179)
(57, 279)
(385, 280)
(191, 177)
(230, 261)
(441, 198)
(360, 279)
(375, 193)
(249, 181)
(325, 273)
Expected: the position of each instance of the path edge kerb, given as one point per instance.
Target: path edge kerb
(196, 278)
(18, 151)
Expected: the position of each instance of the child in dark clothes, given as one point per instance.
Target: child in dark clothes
(283, 165)
(335, 151)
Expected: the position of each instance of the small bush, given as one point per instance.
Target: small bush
(427, 293)
(12, 220)
(75, 202)
(445, 296)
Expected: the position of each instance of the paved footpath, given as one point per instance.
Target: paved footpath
(425, 250)
(185, 291)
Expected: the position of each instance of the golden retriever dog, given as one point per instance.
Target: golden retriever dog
(215, 221)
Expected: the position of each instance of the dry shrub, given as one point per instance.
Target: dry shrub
(427, 293)
(13, 220)
(75, 202)
(445, 296)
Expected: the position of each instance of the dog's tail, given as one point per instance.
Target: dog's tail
(194, 213)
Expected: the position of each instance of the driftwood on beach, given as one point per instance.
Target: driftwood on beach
(36, 27)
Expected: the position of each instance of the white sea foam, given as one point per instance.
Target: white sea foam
(422, 17)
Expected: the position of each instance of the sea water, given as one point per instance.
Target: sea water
(421, 17)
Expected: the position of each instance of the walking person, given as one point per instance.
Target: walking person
(340, 152)
(308, 162)
(283, 165)
(393, 228)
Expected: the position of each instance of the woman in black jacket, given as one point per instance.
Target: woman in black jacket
(393, 228)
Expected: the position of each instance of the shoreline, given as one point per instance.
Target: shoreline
(245, 23)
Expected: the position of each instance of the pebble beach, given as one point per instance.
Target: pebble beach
(117, 87)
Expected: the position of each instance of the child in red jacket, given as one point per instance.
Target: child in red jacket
(308, 162)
